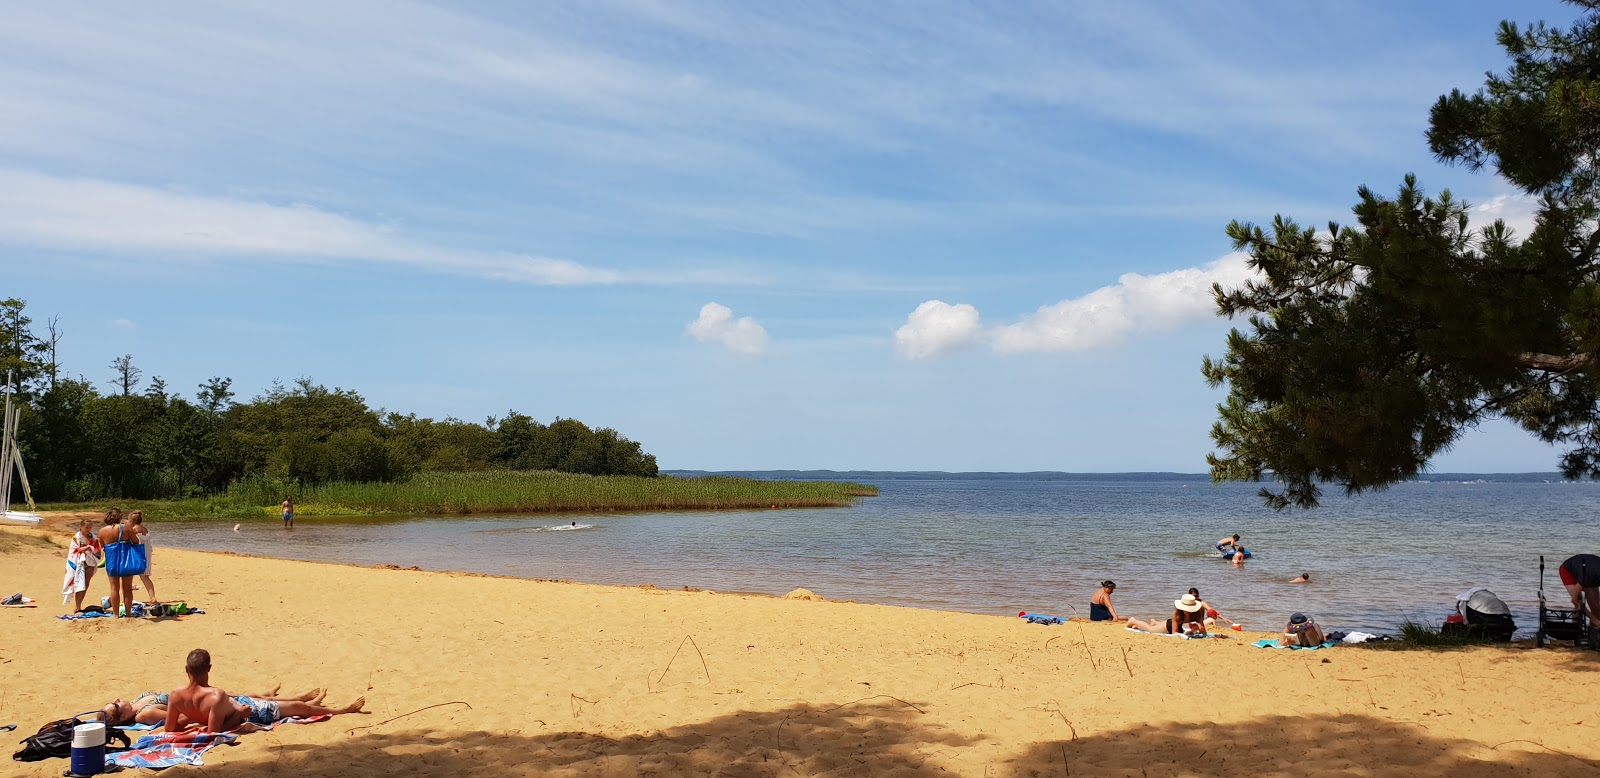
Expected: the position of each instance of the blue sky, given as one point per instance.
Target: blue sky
(749, 235)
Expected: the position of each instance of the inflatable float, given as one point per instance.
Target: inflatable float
(1230, 554)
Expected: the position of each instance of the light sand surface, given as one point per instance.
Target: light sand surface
(573, 679)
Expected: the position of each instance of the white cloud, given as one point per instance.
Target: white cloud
(121, 324)
(1518, 211)
(717, 325)
(1137, 303)
(937, 327)
(88, 214)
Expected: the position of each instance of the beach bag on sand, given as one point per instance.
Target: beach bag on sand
(54, 740)
(124, 558)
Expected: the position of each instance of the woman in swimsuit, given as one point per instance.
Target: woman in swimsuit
(1188, 617)
(1100, 607)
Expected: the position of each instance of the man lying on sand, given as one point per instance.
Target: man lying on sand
(151, 707)
(200, 704)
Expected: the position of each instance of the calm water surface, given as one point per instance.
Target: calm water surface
(1001, 546)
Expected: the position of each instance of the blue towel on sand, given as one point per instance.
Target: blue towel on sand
(1271, 643)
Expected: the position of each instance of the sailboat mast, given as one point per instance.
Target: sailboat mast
(6, 451)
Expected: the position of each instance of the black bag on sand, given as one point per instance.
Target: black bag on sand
(54, 740)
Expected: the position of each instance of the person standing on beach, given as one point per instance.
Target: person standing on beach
(121, 586)
(82, 558)
(288, 511)
(1100, 607)
(141, 535)
(1581, 575)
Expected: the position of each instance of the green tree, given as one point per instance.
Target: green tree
(22, 355)
(1372, 347)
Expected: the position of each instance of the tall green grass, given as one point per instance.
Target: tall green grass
(498, 491)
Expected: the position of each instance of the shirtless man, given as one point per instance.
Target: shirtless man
(151, 707)
(201, 705)
(121, 586)
(288, 512)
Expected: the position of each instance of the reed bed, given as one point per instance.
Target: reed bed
(501, 491)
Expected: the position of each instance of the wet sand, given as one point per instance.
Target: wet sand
(555, 678)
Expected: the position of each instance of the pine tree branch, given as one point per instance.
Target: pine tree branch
(1553, 363)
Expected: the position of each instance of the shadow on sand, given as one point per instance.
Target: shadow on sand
(887, 738)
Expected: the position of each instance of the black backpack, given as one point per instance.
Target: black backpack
(54, 740)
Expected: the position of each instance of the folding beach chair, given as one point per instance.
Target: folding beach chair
(1559, 623)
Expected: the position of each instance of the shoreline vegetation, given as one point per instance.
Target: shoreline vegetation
(493, 492)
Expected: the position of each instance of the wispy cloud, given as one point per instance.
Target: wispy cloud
(717, 325)
(86, 214)
(121, 324)
(1137, 303)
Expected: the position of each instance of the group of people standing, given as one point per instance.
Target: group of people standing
(88, 552)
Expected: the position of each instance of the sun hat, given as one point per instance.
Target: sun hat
(1187, 603)
(1299, 618)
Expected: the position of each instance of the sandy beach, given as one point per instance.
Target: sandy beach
(556, 678)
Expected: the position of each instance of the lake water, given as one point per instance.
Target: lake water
(1002, 546)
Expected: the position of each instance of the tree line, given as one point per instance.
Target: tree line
(81, 444)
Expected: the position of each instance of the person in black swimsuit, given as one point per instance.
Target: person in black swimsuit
(1100, 607)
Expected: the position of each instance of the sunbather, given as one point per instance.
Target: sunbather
(151, 707)
(1100, 607)
(204, 706)
(1188, 618)
(1302, 630)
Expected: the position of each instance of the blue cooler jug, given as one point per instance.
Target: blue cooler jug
(89, 748)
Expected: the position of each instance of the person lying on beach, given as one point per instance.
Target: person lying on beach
(1187, 619)
(211, 709)
(151, 707)
(1100, 607)
(1304, 578)
(1302, 630)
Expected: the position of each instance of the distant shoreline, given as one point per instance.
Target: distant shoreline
(1056, 475)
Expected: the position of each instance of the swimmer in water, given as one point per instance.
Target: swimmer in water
(1304, 578)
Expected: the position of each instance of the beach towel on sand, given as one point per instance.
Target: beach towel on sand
(1272, 643)
(169, 749)
(1183, 637)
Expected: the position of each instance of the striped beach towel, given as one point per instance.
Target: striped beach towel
(169, 749)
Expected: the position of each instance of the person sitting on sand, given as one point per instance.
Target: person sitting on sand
(1302, 630)
(1304, 578)
(211, 709)
(151, 707)
(1210, 613)
(1100, 607)
(1187, 619)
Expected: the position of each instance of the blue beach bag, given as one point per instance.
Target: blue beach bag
(123, 558)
